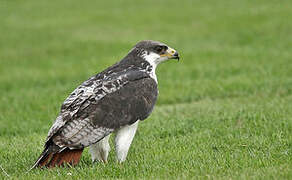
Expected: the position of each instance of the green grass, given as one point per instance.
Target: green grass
(224, 111)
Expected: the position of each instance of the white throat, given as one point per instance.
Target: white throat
(153, 59)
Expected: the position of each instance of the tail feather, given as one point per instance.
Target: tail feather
(67, 156)
(42, 157)
(51, 159)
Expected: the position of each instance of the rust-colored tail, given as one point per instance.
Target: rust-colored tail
(52, 159)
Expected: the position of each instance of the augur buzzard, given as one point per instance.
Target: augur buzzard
(114, 100)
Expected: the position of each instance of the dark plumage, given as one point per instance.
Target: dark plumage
(115, 98)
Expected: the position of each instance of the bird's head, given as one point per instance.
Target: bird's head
(156, 52)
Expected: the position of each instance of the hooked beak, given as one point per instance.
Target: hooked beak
(171, 54)
(175, 56)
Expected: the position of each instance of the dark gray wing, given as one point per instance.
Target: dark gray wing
(75, 127)
(133, 102)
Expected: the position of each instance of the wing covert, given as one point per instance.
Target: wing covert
(77, 108)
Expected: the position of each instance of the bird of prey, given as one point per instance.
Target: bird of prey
(113, 101)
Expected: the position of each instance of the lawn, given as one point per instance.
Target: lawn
(224, 111)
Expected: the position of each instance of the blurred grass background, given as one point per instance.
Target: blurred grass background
(224, 111)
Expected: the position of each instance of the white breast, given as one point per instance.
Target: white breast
(153, 75)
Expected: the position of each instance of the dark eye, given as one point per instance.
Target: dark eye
(159, 49)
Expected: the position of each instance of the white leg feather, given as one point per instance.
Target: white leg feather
(99, 151)
(123, 140)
